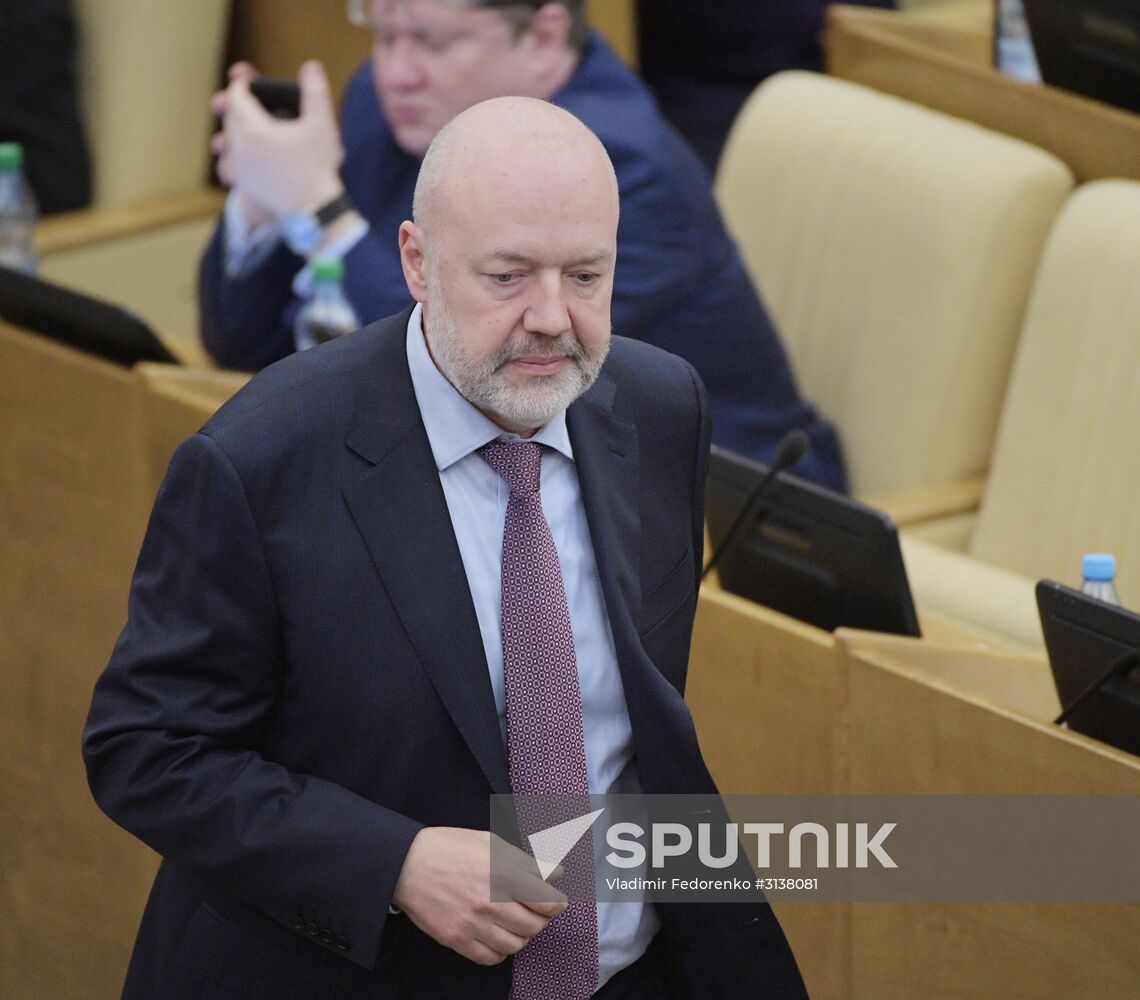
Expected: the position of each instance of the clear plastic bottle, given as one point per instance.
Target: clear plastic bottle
(18, 211)
(328, 313)
(1013, 46)
(1099, 572)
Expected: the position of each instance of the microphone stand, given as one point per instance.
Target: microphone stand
(792, 447)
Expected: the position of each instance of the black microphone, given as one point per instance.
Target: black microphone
(792, 447)
(1121, 667)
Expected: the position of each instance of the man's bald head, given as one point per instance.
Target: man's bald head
(497, 142)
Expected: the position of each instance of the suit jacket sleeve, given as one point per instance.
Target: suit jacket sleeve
(246, 321)
(171, 743)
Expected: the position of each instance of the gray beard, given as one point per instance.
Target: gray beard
(532, 403)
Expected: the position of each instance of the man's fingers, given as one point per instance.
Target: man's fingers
(480, 954)
(316, 95)
(502, 941)
(241, 105)
(527, 887)
(241, 71)
(521, 920)
(548, 909)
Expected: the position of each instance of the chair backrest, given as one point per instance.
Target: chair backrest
(894, 246)
(1066, 472)
(146, 72)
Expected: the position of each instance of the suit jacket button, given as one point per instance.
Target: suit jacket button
(312, 929)
(299, 923)
(342, 943)
(326, 937)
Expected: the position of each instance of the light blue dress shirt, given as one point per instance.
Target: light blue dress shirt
(477, 501)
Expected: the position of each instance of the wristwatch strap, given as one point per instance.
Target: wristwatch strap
(330, 211)
(303, 231)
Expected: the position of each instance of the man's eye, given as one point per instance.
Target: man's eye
(585, 277)
(504, 279)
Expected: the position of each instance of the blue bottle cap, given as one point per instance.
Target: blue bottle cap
(1099, 566)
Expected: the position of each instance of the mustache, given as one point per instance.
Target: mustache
(539, 347)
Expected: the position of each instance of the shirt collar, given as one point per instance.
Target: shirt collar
(454, 427)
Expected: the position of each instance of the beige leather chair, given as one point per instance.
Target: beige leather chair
(146, 72)
(1065, 477)
(894, 247)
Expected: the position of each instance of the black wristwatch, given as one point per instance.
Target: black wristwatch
(302, 231)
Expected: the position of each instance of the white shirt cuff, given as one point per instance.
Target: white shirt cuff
(246, 247)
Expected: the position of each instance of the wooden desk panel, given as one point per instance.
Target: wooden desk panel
(72, 885)
(767, 701)
(947, 68)
(780, 707)
(941, 720)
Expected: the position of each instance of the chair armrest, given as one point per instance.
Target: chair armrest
(991, 601)
(926, 503)
(205, 387)
(88, 226)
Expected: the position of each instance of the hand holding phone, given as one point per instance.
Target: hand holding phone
(285, 166)
(280, 97)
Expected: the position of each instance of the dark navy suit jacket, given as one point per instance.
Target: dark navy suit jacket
(301, 684)
(680, 281)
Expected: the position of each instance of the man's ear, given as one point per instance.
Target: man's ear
(413, 260)
(549, 28)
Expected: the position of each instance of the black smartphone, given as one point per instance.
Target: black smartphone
(281, 98)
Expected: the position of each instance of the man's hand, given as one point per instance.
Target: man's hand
(445, 888)
(276, 166)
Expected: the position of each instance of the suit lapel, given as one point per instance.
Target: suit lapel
(607, 457)
(607, 460)
(400, 510)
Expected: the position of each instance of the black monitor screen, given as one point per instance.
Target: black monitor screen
(78, 320)
(808, 552)
(1091, 47)
(1085, 638)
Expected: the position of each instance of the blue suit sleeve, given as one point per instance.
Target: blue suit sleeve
(172, 739)
(246, 321)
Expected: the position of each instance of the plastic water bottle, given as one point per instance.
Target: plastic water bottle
(1013, 46)
(1099, 572)
(328, 313)
(18, 211)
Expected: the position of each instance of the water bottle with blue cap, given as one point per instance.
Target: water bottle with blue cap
(1099, 572)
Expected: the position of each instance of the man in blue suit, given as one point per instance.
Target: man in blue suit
(312, 701)
(306, 189)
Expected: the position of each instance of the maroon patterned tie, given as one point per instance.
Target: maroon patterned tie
(546, 751)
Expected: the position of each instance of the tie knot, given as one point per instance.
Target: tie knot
(519, 463)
